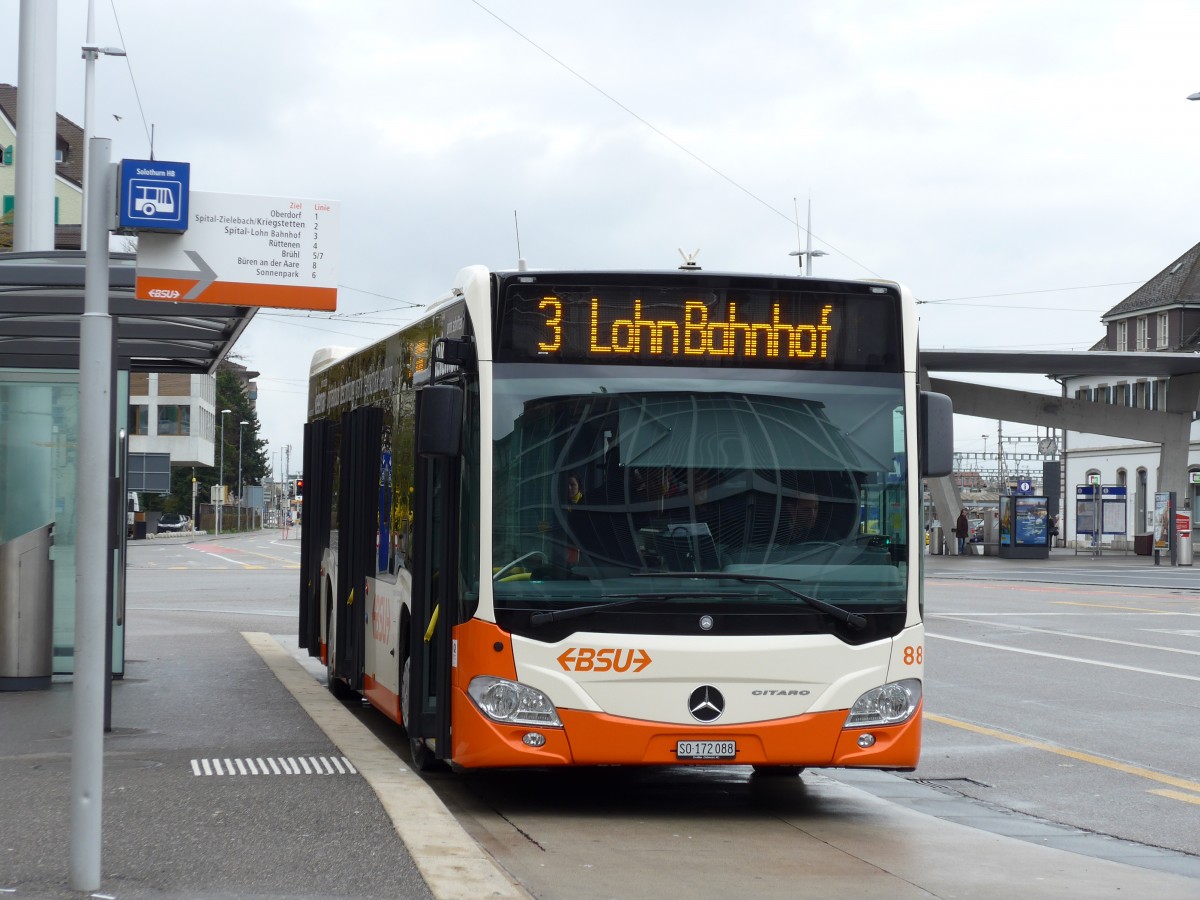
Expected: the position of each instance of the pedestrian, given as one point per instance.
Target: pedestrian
(575, 518)
(962, 530)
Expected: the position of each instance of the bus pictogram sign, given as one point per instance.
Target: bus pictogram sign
(153, 195)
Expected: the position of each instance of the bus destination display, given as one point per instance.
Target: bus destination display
(769, 328)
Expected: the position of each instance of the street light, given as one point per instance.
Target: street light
(806, 255)
(221, 477)
(90, 53)
(275, 485)
(242, 424)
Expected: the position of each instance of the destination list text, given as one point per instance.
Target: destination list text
(280, 240)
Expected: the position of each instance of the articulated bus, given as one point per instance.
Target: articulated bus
(628, 518)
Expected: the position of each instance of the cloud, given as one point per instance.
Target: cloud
(965, 149)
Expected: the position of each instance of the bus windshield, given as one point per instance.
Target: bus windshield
(622, 481)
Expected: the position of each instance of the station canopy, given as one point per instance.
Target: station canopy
(1062, 363)
(41, 303)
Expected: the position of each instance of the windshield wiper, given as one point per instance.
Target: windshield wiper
(613, 601)
(854, 620)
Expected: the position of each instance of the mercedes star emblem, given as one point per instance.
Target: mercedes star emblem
(706, 704)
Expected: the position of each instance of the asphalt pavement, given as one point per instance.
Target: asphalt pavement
(231, 772)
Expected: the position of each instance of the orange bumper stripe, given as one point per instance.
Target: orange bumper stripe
(587, 738)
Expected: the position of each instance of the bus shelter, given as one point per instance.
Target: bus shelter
(41, 302)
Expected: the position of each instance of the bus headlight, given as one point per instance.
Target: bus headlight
(511, 702)
(887, 705)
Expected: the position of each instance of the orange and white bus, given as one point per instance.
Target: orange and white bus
(628, 518)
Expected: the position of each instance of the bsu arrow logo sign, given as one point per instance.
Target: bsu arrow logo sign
(202, 276)
(605, 659)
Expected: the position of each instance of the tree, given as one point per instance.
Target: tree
(231, 395)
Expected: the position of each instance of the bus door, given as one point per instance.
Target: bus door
(358, 522)
(314, 536)
(435, 602)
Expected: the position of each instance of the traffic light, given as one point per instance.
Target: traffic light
(299, 487)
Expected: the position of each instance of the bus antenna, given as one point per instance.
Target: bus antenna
(522, 265)
(689, 260)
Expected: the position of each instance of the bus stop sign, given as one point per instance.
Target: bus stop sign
(153, 195)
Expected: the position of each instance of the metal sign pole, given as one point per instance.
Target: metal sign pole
(91, 594)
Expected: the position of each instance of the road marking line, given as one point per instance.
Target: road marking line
(1070, 589)
(1078, 659)
(1086, 637)
(265, 556)
(1015, 587)
(321, 765)
(1076, 755)
(1136, 609)
(1177, 795)
(226, 559)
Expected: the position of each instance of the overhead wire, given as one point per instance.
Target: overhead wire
(793, 221)
(1082, 287)
(658, 131)
(666, 137)
(132, 79)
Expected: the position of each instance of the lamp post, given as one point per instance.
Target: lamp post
(90, 53)
(90, 694)
(806, 258)
(242, 424)
(221, 477)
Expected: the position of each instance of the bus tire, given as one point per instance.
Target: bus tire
(337, 687)
(423, 759)
(778, 771)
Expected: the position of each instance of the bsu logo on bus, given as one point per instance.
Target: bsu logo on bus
(589, 659)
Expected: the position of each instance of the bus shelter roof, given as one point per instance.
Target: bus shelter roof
(41, 302)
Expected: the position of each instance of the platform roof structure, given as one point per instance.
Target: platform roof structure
(1062, 364)
(41, 301)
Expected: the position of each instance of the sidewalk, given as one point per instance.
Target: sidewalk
(193, 699)
(1061, 559)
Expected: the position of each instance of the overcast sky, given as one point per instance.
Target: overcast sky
(1021, 166)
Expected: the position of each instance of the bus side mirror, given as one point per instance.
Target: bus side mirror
(935, 435)
(439, 425)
